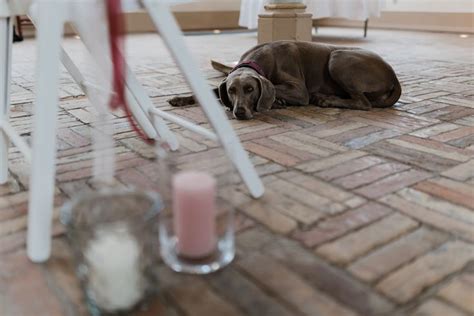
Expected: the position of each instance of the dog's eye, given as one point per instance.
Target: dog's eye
(248, 89)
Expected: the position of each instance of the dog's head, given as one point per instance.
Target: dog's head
(245, 91)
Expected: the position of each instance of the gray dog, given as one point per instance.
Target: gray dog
(277, 74)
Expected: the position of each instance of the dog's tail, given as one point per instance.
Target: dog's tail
(392, 98)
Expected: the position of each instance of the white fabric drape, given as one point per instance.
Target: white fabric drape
(350, 9)
(20, 7)
(249, 11)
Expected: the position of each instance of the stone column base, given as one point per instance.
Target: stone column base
(286, 21)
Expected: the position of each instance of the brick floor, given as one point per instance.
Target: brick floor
(365, 213)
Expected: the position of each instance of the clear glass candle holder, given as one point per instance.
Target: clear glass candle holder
(114, 236)
(197, 220)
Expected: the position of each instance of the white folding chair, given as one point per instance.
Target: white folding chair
(50, 16)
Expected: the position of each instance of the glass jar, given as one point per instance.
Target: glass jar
(114, 237)
(197, 220)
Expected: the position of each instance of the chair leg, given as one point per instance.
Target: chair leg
(6, 33)
(168, 28)
(17, 30)
(49, 34)
(315, 26)
(104, 159)
(366, 24)
(139, 98)
(139, 103)
(19, 27)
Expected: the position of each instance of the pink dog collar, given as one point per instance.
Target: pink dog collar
(249, 64)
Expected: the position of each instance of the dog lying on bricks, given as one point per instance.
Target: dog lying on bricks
(288, 73)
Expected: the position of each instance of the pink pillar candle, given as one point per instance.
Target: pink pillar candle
(194, 211)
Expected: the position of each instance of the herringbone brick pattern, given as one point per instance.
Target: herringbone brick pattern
(365, 213)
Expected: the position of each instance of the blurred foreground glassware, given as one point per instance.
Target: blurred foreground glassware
(197, 221)
(114, 237)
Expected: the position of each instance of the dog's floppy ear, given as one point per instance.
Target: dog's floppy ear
(223, 94)
(267, 94)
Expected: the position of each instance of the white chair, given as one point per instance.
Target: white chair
(50, 16)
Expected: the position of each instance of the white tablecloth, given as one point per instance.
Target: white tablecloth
(350, 9)
(14, 7)
(20, 7)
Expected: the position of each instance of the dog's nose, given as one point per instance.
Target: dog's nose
(240, 113)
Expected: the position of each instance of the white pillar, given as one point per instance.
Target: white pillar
(284, 20)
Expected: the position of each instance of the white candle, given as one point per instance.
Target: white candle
(114, 276)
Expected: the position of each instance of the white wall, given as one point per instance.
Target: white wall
(208, 5)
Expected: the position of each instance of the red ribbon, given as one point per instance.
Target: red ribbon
(116, 23)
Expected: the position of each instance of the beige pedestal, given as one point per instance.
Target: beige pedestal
(287, 21)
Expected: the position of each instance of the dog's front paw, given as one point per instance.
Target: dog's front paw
(279, 104)
(324, 103)
(182, 101)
